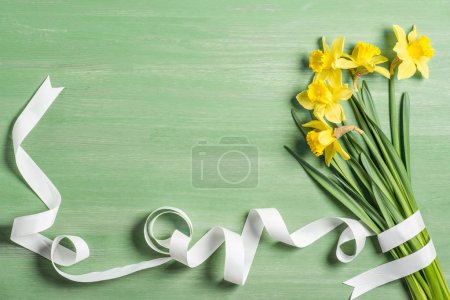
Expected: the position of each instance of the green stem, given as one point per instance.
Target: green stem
(418, 286)
(433, 272)
(443, 283)
(405, 133)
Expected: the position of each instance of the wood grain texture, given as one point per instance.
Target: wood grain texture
(145, 81)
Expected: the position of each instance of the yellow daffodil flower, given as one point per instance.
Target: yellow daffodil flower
(366, 57)
(414, 53)
(322, 140)
(324, 99)
(323, 63)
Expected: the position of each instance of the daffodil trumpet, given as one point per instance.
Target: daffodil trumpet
(364, 169)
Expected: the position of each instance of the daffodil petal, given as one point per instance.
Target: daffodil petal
(412, 36)
(334, 113)
(317, 76)
(316, 124)
(335, 77)
(321, 76)
(378, 59)
(406, 69)
(325, 47)
(319, 111)
(343, 63)
(369, 67)
(329, 153)
(346, 56)
(402, 50)
(399, 33)
(355, 52)
(337, 147)
(337, 47)
(422, 66)
(382, 71)
(304, 101)
(342, 93)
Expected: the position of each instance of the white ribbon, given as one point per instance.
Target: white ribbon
(26, 230)
(399, 268)
(240, 248)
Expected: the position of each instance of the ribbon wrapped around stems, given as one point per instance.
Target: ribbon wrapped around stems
(240, 248)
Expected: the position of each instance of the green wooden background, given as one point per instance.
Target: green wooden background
(145, 81)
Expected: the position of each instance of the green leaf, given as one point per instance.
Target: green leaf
(390, 164)
(368, 100)
(397, 168)
(361, 174)
(348, 146)
(360, 114)
(389, 212)
(340, 166)
(393, 116)
(392, 178)
(382, 204)
(382, 195)
(336, 191)
(377, 178)
(370, 209)
(298, 122)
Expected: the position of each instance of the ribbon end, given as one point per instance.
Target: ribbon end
(48, 83)
(355, 292)
(58, 89)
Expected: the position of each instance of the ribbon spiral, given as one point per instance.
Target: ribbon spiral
(240, 248)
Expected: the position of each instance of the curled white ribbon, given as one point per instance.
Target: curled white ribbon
(240, 248)
(26, 230)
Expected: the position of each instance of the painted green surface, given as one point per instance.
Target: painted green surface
(145, 81)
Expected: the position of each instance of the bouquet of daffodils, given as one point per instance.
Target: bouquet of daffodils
(371, 173)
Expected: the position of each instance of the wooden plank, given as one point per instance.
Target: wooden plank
(145, 82)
